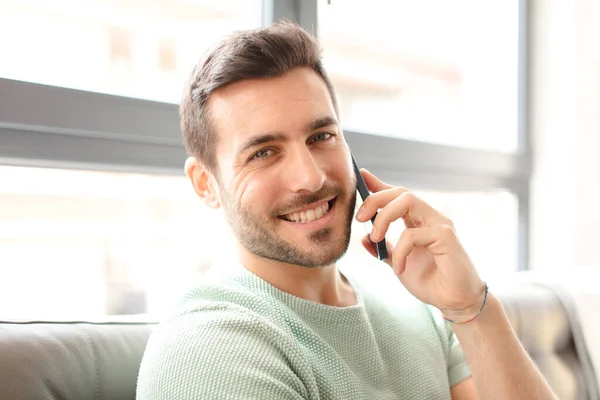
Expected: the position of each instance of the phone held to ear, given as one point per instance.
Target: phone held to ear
(361, 186)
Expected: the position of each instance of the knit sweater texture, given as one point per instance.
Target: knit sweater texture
(235, 336)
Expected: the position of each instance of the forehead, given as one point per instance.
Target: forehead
(283, 104)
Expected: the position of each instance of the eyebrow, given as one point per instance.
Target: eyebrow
(280, 137)
(322, 123)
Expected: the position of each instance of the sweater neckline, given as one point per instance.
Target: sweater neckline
(291, 299)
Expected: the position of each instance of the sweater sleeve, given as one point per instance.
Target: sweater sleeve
(458, 369)
(221, 354)
(456, 363)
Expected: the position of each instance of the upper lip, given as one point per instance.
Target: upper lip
(310, 206)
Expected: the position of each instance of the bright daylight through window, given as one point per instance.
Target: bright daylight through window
(133, 48)
(104, 241)
(428, 70)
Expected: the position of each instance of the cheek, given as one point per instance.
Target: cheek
(340, 169)
(258, 194)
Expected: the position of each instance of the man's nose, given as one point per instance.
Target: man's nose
(302, 172)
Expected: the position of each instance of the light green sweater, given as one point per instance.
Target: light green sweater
(238, 337)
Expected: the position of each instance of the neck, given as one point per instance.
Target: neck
(322, 285)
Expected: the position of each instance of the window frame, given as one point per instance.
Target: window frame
(85, 130)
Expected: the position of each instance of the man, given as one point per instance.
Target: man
(261, 125)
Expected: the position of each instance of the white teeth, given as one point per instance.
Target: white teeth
(318, 212)
(309, 215)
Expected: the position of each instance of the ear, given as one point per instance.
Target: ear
(203, 181)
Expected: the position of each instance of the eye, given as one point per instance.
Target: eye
(320, 137)
(261, 154)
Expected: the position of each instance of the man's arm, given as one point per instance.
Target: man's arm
(464, 390)
(501, 368)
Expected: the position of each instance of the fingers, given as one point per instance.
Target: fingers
(414, 211)
(376, 201)
(373, 183)
(371, 248)
(393, 203)
(438, 239)
(400, 207)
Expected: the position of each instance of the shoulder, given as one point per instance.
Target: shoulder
(212, 347)
(211, 325)
(219, 309)
(228, 291)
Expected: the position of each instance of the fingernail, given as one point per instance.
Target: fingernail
(360, 213)
(374, 233)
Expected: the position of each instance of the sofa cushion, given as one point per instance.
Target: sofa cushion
(543, 327)
(71, 360)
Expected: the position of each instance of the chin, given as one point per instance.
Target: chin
(323, 248)
(326, 258)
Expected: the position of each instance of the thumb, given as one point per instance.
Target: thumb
(373, 182)
(371, 248)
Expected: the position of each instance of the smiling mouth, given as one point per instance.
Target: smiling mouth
(311, 214)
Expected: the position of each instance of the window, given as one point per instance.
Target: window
(128, 47)
(80, 244)
(432, 70)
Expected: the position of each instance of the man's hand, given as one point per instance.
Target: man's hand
(434, 267)
(428, 258)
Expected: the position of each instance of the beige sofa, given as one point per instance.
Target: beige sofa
(48, 360)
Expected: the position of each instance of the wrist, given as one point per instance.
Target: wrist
(470, 313)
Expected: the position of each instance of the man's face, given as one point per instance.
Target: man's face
(285, 173)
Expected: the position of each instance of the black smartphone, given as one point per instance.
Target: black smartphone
(361, 186)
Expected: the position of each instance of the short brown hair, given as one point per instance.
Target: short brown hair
(260, 53)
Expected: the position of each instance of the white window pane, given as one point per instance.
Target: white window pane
(486, 223)
(430, 70)
(80, 244)
(134, 48)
